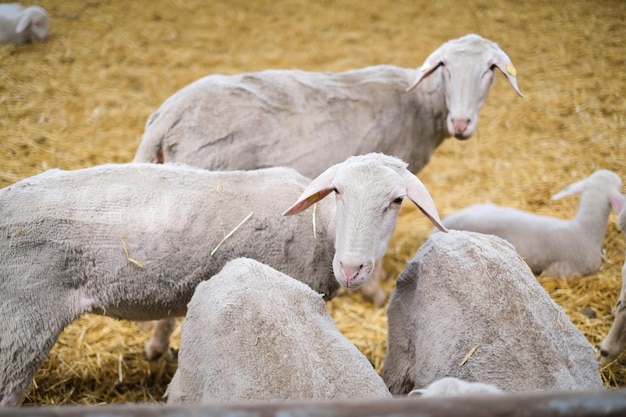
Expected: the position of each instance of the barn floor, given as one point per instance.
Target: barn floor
(83, 97)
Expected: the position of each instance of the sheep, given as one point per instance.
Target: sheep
(452, 387)
(552, 246)
(254, 333)
(467, 306)
(21, 25)
(612, 345)
(132, 241)
(310, 120)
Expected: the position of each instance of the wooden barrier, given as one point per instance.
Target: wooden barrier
(546, 404)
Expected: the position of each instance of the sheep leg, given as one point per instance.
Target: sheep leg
(27, 333)
(614, 342)
(160, 340)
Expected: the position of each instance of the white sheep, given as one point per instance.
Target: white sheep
(552, 246)
(132, 241)
(448, 386)
(612, 345)
(468, 307)
(254, 333)
(19, 24)
(311, 120)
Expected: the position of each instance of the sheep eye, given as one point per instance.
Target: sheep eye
(398, 200)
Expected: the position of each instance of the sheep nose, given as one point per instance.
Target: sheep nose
(460, 125)
(349, 272)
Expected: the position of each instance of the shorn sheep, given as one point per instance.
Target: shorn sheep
(552, 246)
(19, 24)
(132, 241)
(252, 333)
(311, 120)
(468, 307)
(612, 345)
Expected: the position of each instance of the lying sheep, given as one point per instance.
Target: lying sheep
(21, 25)
(253, 333)
(612, 345)
(452, 387)
(551, 246)
(468, 307)
(310, 120)
(132, 241)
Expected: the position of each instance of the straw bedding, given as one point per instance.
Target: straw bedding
(82, 99)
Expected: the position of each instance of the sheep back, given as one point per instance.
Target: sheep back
(253, 333)
(467, 293)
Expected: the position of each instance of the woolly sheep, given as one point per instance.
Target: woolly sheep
(20, 25)
(612, 345)
(468, 307)
(551, 246)
(310, 120)
(132, 241)
(452, 387)
(253, 333)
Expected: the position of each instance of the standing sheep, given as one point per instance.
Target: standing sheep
(612, 345)
(311, 120)
(132, 241)
(253, 333)
(551, 246)
(468, 307)
(21, 25)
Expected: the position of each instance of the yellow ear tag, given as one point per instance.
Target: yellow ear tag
(425, 67)
(511, 69)
(313, 196)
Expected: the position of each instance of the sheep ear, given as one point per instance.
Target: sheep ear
(617, 201)
(424, 71)
(418, 194)
(416, 393)
(23, 23)
(505, 65)
(571, 189)
(319, 188)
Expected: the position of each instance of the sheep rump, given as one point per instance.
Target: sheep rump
(468, 307)
(252, 333)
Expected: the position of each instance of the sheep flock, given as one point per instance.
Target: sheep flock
(82, 97)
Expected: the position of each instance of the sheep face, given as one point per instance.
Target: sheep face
(369, 190)
(465, 67)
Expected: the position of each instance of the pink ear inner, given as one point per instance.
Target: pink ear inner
(306, 202)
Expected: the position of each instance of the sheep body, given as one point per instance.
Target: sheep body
(454, 386)
(614, 342)
(551, 246)
(310, 120)
(468, 307)
(254, 333)
(19, 24)
(132, 241)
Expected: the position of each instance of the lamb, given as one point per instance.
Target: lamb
(612, 345)
(254, 333)
(21, 25)
(132, 241)
(551, 246)
(310, 120)
(452, 387)
(467, 306)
